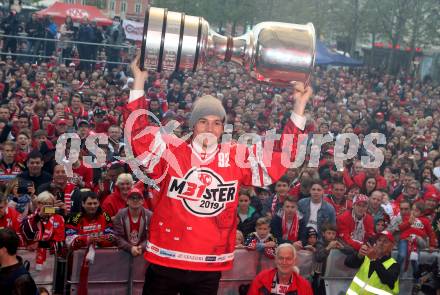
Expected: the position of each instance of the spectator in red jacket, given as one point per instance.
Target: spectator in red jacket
(9, 217)
(118, 199)
(356, 226)
(368, 186)
(411, 193)
(284, 279)
(381, 182)
(90, 226)
(338, 198)
(415, 230)
(44, 229)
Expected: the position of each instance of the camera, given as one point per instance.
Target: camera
(52, 210)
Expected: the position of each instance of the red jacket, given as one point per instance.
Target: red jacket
(79, 227)
(113, 203)
(197, 204)
(8, 172)
(381, 182)
(339, 209)
(421, 227)
(346, 226)
(262, 284)
(35, 229)
(10, 219)
(85, 173)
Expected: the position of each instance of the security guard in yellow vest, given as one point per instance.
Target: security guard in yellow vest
(379, 272)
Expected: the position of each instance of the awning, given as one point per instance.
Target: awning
(59, 11)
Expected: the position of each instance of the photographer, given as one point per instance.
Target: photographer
(45, 228)
(379, 272)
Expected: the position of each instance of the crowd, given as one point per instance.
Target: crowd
(63, 47)
(313, 208)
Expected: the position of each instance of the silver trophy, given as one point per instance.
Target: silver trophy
(273, 52)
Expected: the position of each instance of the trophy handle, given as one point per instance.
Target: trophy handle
(144, 39)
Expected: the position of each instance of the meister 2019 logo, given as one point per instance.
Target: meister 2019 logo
(202, 192)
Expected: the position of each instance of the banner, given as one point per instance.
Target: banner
(133, 30)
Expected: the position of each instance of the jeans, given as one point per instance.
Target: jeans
(402, 253)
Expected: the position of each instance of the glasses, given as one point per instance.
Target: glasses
(135, 198)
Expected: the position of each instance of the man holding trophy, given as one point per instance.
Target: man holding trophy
(193, 227)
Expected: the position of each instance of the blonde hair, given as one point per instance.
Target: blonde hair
(240, 235)
(124, 177)
(45, 197)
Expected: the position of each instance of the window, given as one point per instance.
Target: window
(123, 6)
(138, 8)
(112, 5)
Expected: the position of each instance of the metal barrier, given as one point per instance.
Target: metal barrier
(117, 272)
(44, 277)
(338, 277)
(42, 42)
(123, 274)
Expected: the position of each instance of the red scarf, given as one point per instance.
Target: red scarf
(291, 233)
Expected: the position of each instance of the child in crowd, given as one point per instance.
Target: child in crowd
(323, 247)
(262, 240)
(380, 226)
(312, 239)
(239, 240)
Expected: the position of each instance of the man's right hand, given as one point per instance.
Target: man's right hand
(139, 76)
(363, 251)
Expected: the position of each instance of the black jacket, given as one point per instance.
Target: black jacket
(15, 279)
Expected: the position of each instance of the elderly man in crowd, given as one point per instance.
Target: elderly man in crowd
(284, 278)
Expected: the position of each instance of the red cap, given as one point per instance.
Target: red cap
(61, 122)
(135, 191)
(380, 115)
(359, 199)
(387, 234)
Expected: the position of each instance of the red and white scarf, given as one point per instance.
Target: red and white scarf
(291, 233)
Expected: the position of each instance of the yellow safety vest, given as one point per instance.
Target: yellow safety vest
(364, 285)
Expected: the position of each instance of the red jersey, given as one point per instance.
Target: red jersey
(85, 174)
(79, 227)
(113, 203)
(339, 208)
(194, 221)
(10, 219)
(10, 171)
(421, 227)
(346, 227)
(80, 114)
(36, 229)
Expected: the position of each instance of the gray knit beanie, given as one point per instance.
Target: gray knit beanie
(205, 106)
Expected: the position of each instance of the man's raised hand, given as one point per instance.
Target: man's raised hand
(139, 76)
(301, 94)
